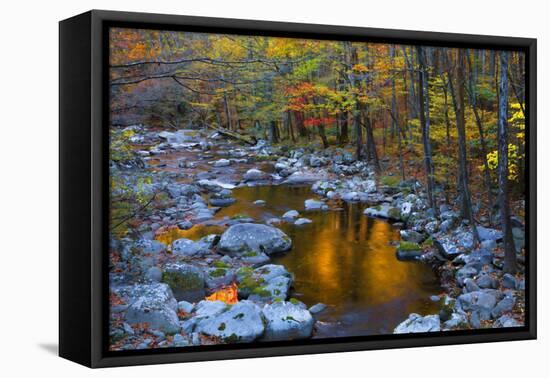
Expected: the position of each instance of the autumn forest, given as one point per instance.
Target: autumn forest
(246, 168)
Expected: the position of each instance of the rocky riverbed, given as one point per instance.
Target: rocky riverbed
(192, 270)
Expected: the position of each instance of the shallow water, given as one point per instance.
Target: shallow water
(345, 260)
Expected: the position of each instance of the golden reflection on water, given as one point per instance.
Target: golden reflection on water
(167, 236)
(343, 259)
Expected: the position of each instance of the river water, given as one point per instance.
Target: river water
(343, 259)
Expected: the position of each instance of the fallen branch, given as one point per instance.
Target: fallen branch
(231, 134)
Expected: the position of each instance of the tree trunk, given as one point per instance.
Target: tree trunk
(227, 111)
(290, 127)
(423, 106)
(357, 111)
(343, 128)
(473, 103)
(300, 124)
(372, 154)
(411, 93)
(323, 135)
(273, 134)
(395, 120)
(458, 97)
(510, 264)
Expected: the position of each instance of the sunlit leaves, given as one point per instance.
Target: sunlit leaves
(513, 161)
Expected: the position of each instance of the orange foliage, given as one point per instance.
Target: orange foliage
(227, 294)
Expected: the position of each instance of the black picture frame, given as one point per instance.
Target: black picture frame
(83, 196)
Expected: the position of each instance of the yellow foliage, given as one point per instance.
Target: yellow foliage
(513, 161)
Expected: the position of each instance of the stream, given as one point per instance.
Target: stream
(343, 259)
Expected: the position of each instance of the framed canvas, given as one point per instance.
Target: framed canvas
(234, 188)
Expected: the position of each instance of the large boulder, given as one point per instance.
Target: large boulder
(419, 324)
(286, 321)
(186, 281)
(242, 323)
(152, 304)
(246, 237)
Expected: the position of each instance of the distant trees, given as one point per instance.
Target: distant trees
(452, 118)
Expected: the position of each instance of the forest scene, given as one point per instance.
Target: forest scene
(269, 189)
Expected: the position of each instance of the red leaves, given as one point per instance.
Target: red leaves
(319, 121)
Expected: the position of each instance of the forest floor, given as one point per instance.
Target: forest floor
(187, 268)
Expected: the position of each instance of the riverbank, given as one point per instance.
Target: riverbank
(181, 249)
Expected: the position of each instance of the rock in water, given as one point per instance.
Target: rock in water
(153, 304)
(302, 178)
(311, 204)
(291, 214)
(286, 321)
(253, 175)
(418, 324)
(246, 237)
(385, 211)
(242, 323)
(317, 308)
(301, 221)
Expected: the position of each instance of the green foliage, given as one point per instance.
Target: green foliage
(219, 272)
(391, 181)
(408, 246)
